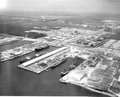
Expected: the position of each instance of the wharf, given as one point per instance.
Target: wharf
(45, 56)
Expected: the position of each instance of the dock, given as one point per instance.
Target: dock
(45, 56)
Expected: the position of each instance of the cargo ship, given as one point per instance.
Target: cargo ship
(58, 62)
(29, 58)
(41, 47)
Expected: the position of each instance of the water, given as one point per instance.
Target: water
(19, 82)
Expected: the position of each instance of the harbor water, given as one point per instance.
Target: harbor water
(19, 82)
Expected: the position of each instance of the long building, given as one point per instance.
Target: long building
(46, 55)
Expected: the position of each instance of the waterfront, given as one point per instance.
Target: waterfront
(20, 82)
(16, 81)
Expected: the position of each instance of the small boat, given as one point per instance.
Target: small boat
(64, 72)
(28, 57)
(47, 69)
(25, 60)
(39, 54)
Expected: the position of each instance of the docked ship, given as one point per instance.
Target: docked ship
(41, 47)
(29, 58)
(58, 62)
(66, 71)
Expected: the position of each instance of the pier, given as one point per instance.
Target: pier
(45, 56)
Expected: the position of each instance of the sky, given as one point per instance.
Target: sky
(70, 6)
